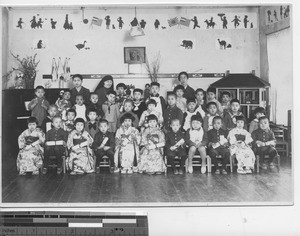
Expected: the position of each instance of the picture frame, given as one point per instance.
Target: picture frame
(134, 55)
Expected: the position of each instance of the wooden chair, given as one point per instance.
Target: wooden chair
(104, 162)
(276, 163)
(197, 161)
(282, 146)
(219, 157)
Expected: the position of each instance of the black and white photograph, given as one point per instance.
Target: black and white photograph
(194, 126)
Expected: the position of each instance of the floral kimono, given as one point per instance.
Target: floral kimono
(127, 147)
(63, 105)
(80, 160)
(152, 160)
(31, 154)
(244, 154)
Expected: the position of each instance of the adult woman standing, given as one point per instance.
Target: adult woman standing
(189, 92)
(105, 85)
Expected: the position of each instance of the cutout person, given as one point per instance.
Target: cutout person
(20, 22)
(195, 20)
(236, 21)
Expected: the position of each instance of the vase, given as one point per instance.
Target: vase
(29, 80)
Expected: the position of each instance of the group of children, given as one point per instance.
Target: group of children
(136, 134)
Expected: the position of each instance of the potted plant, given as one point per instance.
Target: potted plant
(27, 68)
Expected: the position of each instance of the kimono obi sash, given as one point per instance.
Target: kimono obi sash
(77, 141)
(240, 137)
(30, 139)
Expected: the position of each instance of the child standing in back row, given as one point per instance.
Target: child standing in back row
(211, 97)
(79, 90)
(160, 101)
(111, 111)
(258, 112)
(180, 100)
(229, 121)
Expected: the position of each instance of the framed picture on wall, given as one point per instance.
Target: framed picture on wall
(134, 55)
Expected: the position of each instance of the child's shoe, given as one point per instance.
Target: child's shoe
(248, 171)
(150, 173)
(44, 171)
(158, 172)
(59, 170)
(241, 171)
(180, 172)
(217, 172)
(224, 172)
(72, 173)
(176, 172)
(35, 172)
(135, 169)
(272, 167)
(97, 170)
(111, 170)
(203, 169)
(116, 170)
(123, 171)
(22, 173)
(130, 171)
(190, 169)
(264, 166)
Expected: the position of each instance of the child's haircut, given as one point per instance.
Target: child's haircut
(128, 101)
(196, 117)
(127, 116)
(52, 106)
(178, 87)
(155, 84)
(93, 93)
(210, 104)
(151, 101)
(200, 90)
(39, 87)
(78, 76)
(111, 92)
(79, 120)
(217, 118)
(174, 120)
(92, 110)
(32, 119)
(71, 111)
(263, 118)
(56, 117)
(211, 90)
(171, 94)
(259, 110)
(240, 118)
(190, 100)
(226, 93)
(138, 90)
(234, 100)
(152, 117)
(103, 121)
(121, 85)
(183, 73)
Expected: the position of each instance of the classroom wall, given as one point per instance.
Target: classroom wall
(4, 17)
(105, 55)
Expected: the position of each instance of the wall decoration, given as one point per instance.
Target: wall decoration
(107, 21)
(195, 20)
(39, 44)
(153, 67)
(275, 15)
(187, 44)
(80, 46)
(121, 22)
(19, 82)
(54, 70)
(210, 23)
(84, 20)
(173, 21)
(113, 26)
(40, 23)
(53, 23)
(273, 12)
(185, 21)
(156, 24)
(33, 22)
(224, 20)
(236, 21)
(223, 43)
(143, 24)
(136, 29)
(246, 21)
(96, 21)
(68, 25)
(20, 22)
(134, 55)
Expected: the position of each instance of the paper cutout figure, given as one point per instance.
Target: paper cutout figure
(210, 23)
(163, 27)
(134, 22)
(195, 20)
(96, 21)
(172, 22)
(67, 25)
(121, 22)
(223, 44)
(156, 24)
(185, 21)
(20, 22)
(113, 26)
(275, 15)
(281, 12)
(224, 20)
(40, 23)
(53, 23)
(80, 45)
(246, 21)
(60, 69)
(54, 70)
(143, 24)
(187, 44)
(251, 25)
(236, 21)
(33, 22)
(39, 45)
(67, 70)
(107, 21)
(269, 15)
(286, 12)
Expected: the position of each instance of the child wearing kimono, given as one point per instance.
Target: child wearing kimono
(30, 157)
(127, 145)
(153, 140)
(81, 159)
(63, 104)
(240, 140)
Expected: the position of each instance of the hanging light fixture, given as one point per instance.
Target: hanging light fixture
(136, 29)
(85, 21)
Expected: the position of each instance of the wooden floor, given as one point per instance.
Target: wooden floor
(111, 188)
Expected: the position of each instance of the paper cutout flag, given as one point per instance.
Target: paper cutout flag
(96, 21)
(185, 21)
(172, 22)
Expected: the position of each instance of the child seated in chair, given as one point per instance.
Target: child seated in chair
(47, 123)
(229, 120)
(30, 157)
(196, 140)
(68, 125)
(240, 140)
(104, 145)
(209, 116)
(153, 140)
(264, 143)
(127, 108)
(151, 109)
(175, 146)
(127, 145)
(91, 126)
(81, 158)
(55, 144)
(218, 145)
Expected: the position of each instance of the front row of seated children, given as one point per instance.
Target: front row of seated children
(131, 151)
